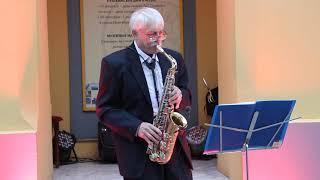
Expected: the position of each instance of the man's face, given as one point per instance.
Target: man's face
(148, 38)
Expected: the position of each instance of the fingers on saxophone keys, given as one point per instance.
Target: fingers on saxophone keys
(157, 131)
(154, 134)
(178, 101)
(150, 138)
(175, 100)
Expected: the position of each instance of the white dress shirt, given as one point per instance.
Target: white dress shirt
(148, 74)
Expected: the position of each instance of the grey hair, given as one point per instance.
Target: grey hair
(145, 17)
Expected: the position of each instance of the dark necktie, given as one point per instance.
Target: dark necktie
(151, 65)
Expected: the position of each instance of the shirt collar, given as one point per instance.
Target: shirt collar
(143, 55)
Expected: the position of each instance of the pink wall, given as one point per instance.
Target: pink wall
(18, 156)
(297, 159)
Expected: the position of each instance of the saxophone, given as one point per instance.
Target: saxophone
(168, 121)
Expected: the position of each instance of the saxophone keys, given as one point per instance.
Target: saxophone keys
(163, 145)
(161, 155)
(166, 136)
(153, 156)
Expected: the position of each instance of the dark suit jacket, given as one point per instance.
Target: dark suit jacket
(123, 103)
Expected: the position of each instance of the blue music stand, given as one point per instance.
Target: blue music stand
(247, 126)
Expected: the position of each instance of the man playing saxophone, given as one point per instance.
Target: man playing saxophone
(136, 85)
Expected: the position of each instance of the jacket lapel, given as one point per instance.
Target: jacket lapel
(137, 71)
(164, 65)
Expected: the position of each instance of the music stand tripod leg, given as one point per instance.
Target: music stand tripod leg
(247, 162)
(248, 137)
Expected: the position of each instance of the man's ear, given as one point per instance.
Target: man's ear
(134, 33)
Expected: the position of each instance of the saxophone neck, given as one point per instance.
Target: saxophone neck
(168, 56)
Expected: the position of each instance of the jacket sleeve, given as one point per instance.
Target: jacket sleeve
(109, 103)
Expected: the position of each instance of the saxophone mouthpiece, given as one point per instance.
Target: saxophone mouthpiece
(153, 42)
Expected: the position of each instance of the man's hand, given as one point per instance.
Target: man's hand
(176, 97)
(149, 133)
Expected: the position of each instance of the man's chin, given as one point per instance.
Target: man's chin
(152, 50)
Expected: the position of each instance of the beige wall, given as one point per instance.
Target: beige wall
(24, 88)
(206, 52)
(268, 49)
(19, 67)
(226, 52)
(277, 50)
(44, 131)
(228, 164)
(59, 60)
